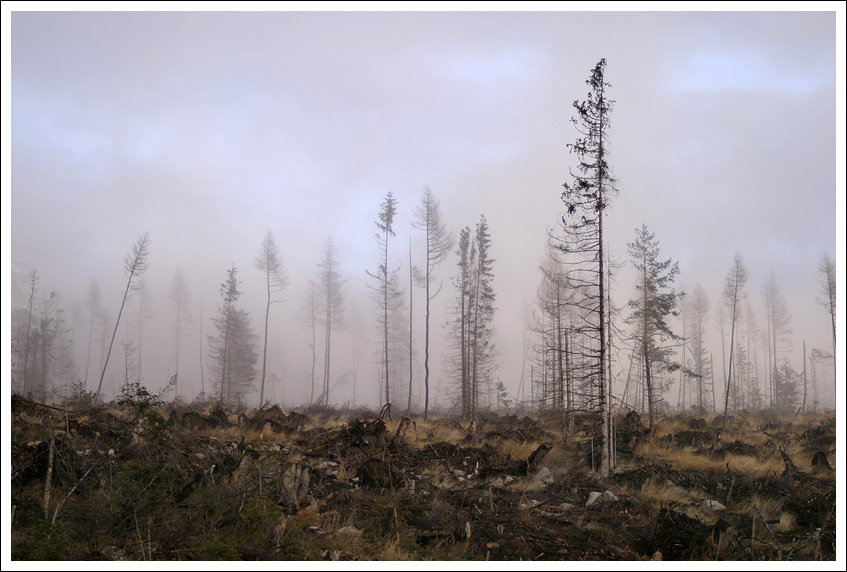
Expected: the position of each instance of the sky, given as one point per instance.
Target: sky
(208, 129)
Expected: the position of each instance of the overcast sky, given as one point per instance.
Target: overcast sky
(209, 129)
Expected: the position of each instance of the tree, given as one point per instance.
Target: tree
(438, 244)
(269, 263)
(698, 314)
(779, 339)
(94, 301)
(232, 352)
(785, 386)
(586, 198)
(552, 325)
(474, 312)
(733, 295)
(464, 292)
(33, 283)
(135, 264)
(481, 346)
(330, 297)
(411, 339)
(41, 347)
(651, 308)
(308, 316)
(826, 296)
(182, 300)
(143, 300)
(385, 297)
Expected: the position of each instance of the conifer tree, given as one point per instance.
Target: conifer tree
(269, 264)
(586, 197)
(232, 351)
(654, 302)
(439, 241)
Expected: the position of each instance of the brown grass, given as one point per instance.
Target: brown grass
(787, 522)
(667, 492)
(687, 459)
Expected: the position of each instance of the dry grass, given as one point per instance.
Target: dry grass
(787, 522)
(667, 492)
(687, 459)
(518, 450)
(753, 466)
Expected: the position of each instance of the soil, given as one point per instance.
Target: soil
(208, 483)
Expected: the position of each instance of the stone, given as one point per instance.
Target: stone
(114, 553)
(543, 476)
(349, 530)
(593, 496)
(712, 505)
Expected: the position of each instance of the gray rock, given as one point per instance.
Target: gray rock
(595, 497)
(114, 553)
(543, 476)
(712, 505)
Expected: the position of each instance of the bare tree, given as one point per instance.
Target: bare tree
(826, 296)
(33, 283)
(330, 296)
(438, 244)
(779, 331)
(733, 294)
(135, 264)
(269, 263)
(552, 324)
(586, 198)
(474, 311)
(411, 316)
(181, 298)
(385, 223)
(94, 302)
(308, 317)
(143, 300)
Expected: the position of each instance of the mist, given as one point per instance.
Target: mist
(208, 130)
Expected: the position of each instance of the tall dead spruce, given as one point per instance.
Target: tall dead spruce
(586, 198)
(135, 264)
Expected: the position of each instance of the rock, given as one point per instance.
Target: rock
(532, 503)
(295, 486)
(243, 468)
(656, 556)
(543, 476)
(114, 553)
(349, 530)
(592, 498)
(712, 505)
(566, 506)
(541, 480)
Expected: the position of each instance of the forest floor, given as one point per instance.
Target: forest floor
(146, 481)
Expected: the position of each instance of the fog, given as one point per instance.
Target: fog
(208, 130)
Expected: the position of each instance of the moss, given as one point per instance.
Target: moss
(41, 541)
(221, 547)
